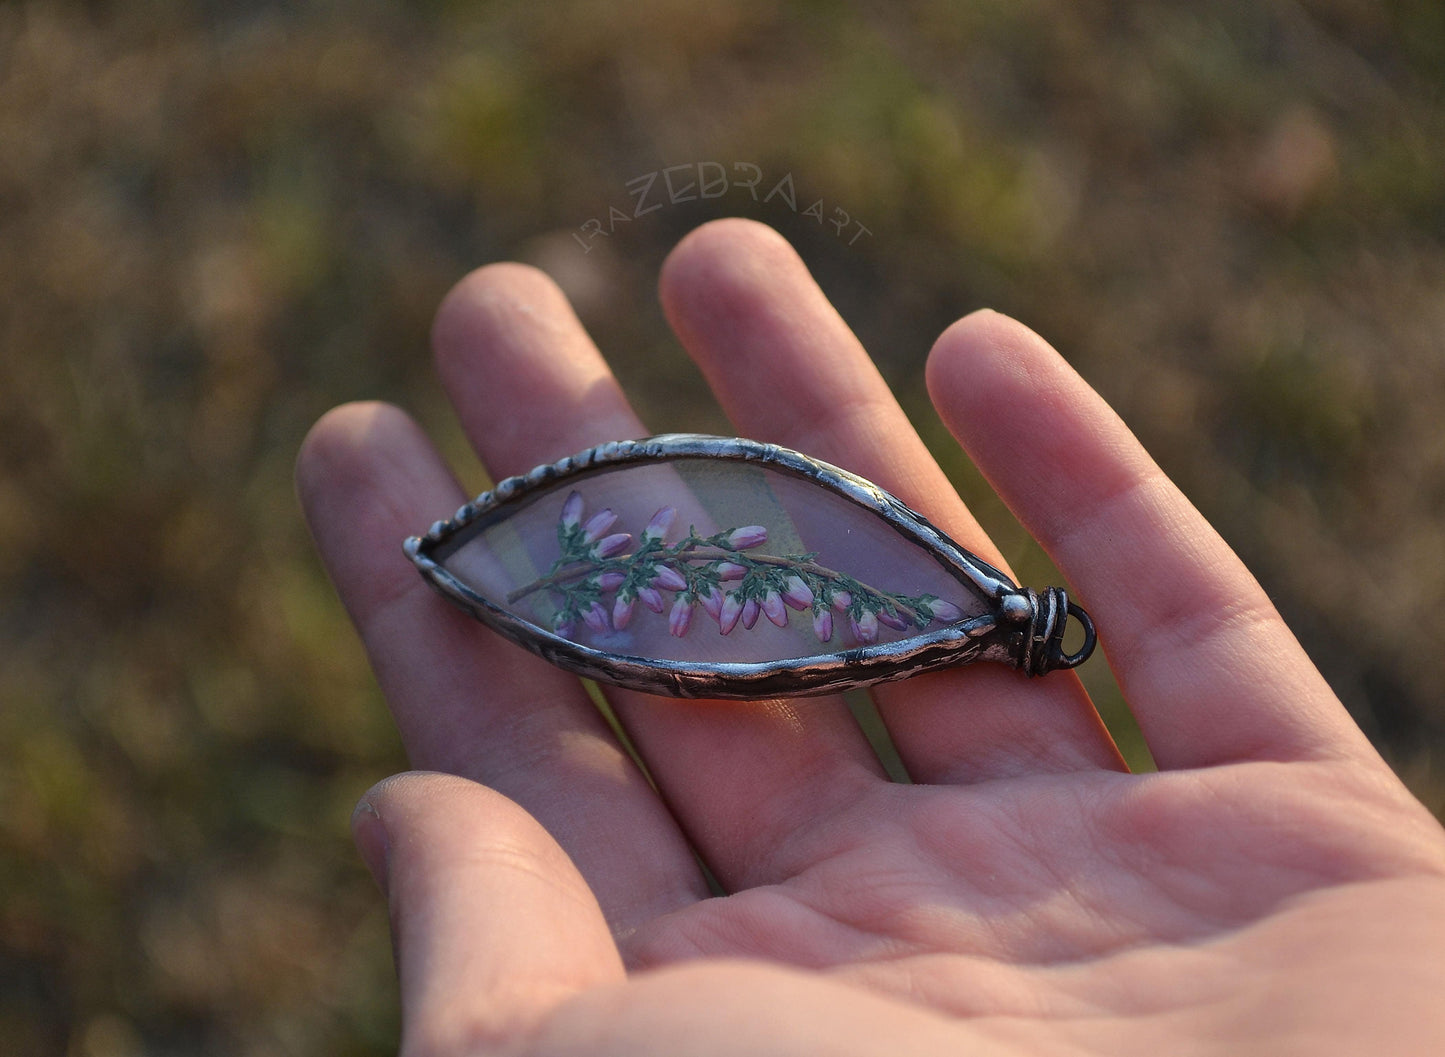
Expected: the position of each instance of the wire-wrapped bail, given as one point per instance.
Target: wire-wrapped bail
(1039, 621)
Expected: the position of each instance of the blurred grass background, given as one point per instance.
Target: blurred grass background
(218, 219)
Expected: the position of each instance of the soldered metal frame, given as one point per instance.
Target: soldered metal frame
(1023, 628)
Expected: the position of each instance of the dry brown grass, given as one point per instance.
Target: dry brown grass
(215, 223)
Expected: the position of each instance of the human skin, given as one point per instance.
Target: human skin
(1274, 889)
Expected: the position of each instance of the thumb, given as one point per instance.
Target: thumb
(493, 925)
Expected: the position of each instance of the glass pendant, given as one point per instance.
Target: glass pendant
(697, 566)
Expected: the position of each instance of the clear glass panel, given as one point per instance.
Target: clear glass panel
(706, 560)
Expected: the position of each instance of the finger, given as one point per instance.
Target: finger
(787, 369)
(493, 925)
(738, 775)
(466, 701)
(1206, 663)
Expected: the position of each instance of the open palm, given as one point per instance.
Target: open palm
(1274, 889)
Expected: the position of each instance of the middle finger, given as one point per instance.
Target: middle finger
(787, 369)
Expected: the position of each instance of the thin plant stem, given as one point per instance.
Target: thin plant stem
(688, 552)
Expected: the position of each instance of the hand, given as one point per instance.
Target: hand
(1274, 889)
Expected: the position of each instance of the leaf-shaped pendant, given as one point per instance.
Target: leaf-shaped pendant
(699, 566)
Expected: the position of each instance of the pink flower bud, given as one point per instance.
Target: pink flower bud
(865, 627)
(773, 609)
(713, 602)
(841, 601)
(731, 571)
(823, 624)
(598, 523)
(944, 612)
(668, 579)
(895, 620)
(661, 521)
(563, 626)
(750, 612)
(608, 546)
(797, 593)
(610, 581)
(595, 617)
(651, 598)
(680, 619)
(572, 510)
(748, 536)
(622, 612)
(727, 617)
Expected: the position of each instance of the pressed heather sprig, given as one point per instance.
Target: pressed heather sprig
(595, 617)
(865, 626)
(797, 594)
(595, 563)
(772, 607)
(661, 521)
(680, 618)
(823, 624)
(942, 611)
(740, 539)
(893, 619)
(727, 617)
(609, 546)
(572, 511)
(598, 524)
(651, 598)
(668, 579)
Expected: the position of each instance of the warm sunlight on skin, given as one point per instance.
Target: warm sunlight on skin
(1273, 890)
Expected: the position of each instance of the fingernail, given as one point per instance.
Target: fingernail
(369, 833)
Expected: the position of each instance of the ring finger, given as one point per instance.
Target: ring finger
(740, 777)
